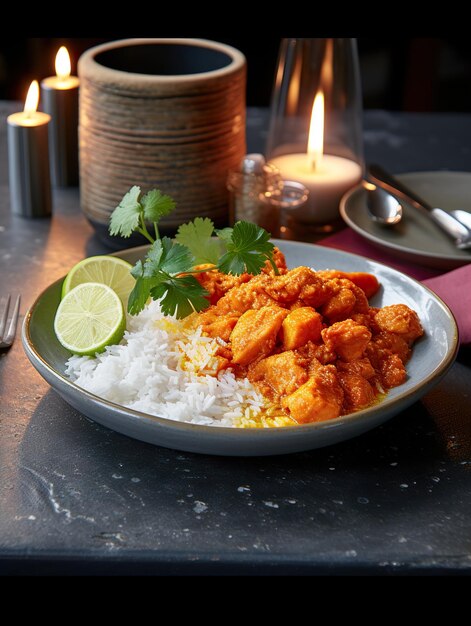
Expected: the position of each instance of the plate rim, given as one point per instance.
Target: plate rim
(384, 243)
(259, 434)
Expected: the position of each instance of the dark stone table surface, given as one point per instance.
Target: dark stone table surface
(78, 498)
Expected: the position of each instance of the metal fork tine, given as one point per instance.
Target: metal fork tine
(13, 322)
(3, 321)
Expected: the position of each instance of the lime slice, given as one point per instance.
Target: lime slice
(89, 318)
(109, 270)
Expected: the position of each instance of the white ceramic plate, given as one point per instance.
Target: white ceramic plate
(433, 355)
(416, 238)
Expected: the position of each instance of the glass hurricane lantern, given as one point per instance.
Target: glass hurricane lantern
(315, 132)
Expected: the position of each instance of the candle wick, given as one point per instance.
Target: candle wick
(315, 162)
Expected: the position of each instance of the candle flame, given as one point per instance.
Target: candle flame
(315, 144)
(63, 63)
(32, 98)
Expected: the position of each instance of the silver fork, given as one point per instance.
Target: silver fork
(7, 339)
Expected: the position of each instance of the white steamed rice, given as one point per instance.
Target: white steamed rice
(161, 368)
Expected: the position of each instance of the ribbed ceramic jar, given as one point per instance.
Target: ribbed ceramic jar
(165, 113)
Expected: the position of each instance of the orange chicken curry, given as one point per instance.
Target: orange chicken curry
(309, 341)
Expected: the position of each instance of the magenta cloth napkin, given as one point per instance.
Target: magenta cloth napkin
(452, 287)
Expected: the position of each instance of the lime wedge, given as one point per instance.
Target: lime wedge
(109, 270)
(89, 318)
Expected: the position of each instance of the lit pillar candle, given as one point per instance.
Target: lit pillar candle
(326, 176)
(60, 100)
(28, 159)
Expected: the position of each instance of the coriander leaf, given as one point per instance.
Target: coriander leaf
(237, 264)
(125, 218)
(168, 257)
(225, 235)
(197, 237)
(180, 296)
(159, 277)
(138, 270)
(156, 205)
(177, 260)
(141, 290)
(140, 294)
(154, 257)
(248, 236)
(247, 251)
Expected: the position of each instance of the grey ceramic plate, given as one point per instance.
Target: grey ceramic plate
(432, 357)
(416, 238)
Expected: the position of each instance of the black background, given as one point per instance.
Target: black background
(411, 57)
(407, 73)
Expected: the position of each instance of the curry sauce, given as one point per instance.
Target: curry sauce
(309, 341)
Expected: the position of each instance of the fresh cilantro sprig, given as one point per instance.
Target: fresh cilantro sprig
(164, 276)
(248, 248)
(133, 211)
(167, 273)
(197, 237)
(244, 248)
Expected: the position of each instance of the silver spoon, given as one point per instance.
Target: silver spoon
(382, 206)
